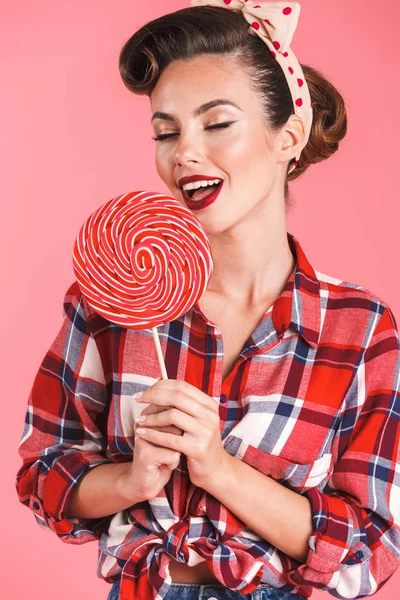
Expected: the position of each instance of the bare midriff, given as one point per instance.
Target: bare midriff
(182, 573)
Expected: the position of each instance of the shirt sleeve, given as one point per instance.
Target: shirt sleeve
(355, 543)
(65, 426)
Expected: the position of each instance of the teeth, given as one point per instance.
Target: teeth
(197, 184)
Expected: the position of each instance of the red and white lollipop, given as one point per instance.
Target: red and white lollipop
(141, 260)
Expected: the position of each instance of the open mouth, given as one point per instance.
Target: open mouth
(202, 192)
(203, 197)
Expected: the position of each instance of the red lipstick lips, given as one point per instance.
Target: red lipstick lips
(204, 202)
(195, 177)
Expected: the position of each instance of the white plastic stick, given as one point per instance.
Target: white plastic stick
(159, 353)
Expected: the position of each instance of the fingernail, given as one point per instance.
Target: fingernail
(137, 395)
(140, 419)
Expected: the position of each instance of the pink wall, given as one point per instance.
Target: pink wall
(74, 137)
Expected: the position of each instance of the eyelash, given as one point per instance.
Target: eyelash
(164, 136)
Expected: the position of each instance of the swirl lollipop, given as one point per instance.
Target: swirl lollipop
(141, 260)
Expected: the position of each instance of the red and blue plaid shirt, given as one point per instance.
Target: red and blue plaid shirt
(312, 401)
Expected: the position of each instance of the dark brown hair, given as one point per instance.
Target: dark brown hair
(191, 32)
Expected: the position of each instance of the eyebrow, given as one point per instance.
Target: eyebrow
(197, 111)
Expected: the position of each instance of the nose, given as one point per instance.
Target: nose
(188, 149)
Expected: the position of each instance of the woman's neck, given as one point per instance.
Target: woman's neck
(251, 267)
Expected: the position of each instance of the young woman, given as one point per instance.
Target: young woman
(269, 461)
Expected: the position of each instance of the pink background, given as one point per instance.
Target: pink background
(74, 137)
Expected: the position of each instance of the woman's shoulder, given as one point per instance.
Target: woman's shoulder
(349, 294)
(76, 306)
(348, 289)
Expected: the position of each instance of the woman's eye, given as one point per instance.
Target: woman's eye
(164, 136)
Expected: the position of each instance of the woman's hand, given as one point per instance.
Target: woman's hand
(197, 415)
(153, 409)
(152, 465)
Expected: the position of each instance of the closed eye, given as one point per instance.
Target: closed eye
(164, 136)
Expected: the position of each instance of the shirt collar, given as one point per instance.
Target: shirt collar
(299, 304)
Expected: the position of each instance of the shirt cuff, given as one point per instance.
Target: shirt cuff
(338, 539)
(60, 482)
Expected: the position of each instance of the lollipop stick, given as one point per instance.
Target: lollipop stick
(159, 353)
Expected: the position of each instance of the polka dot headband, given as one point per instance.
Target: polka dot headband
(275, 24)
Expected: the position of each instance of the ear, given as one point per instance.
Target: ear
(290, 140)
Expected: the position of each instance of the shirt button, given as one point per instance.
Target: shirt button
(223, 399)
(212, 598)
(36, 506)
(359, 554)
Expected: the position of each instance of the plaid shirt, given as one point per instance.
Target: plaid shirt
(312, 401)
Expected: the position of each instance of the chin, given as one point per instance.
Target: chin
(212, 226)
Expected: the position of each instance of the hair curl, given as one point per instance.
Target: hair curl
(198, 30)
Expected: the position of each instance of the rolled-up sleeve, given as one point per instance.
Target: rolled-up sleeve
(65, 430)
(355, 543)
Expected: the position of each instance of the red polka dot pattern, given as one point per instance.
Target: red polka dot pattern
(275, 23)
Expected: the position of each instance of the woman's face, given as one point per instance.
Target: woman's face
(242, 154)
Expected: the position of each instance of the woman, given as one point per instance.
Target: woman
(266, 466)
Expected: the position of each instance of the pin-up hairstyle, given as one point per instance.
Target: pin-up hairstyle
(190, 32)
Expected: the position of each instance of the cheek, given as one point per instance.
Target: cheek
(165, 169)
(236, 152)
(163, 164)
(237, 159)
(244, 149)
(250, 165)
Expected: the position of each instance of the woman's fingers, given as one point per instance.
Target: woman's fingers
(153, 409)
